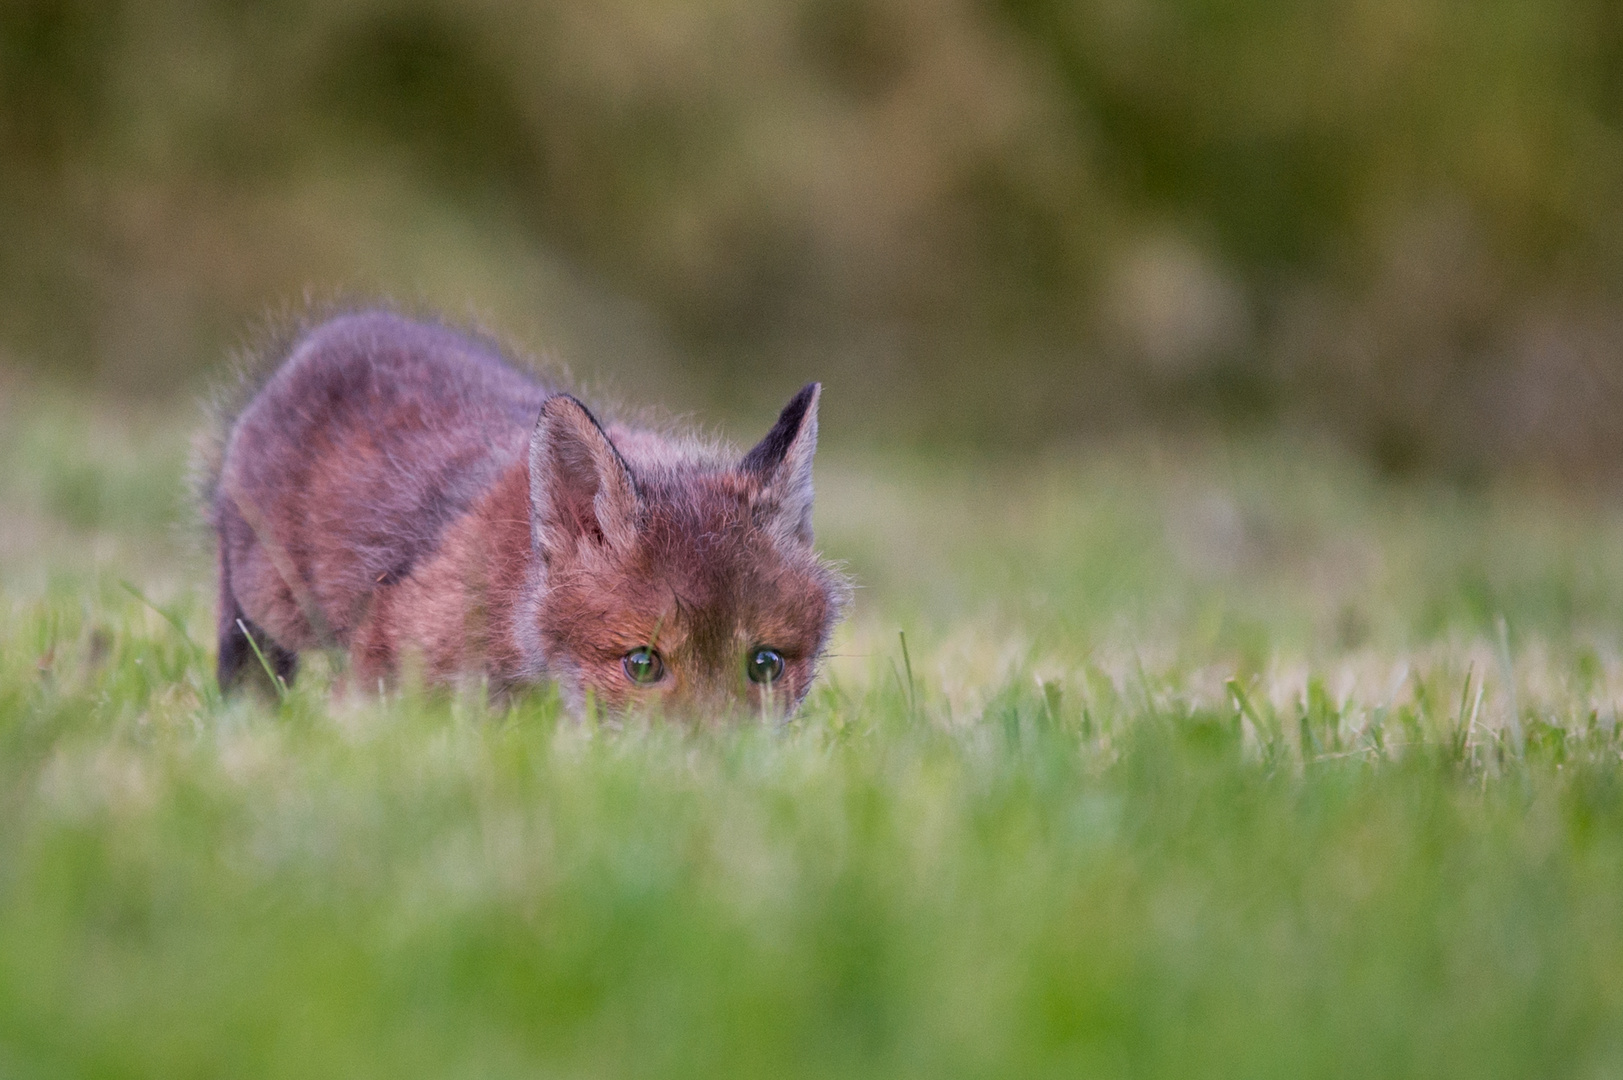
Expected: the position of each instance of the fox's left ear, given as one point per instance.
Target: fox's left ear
(783, 462)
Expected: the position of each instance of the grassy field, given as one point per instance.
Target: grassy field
(1215, 760)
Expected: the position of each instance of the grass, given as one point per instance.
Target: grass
(1196, 761)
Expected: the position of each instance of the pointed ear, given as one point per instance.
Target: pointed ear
(580, 487)
(783, 461)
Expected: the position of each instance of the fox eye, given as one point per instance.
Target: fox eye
(643, 665)
(764, 666)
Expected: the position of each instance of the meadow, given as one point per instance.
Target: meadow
(1216, 758)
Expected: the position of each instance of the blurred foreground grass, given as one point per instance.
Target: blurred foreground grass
(1199, 761)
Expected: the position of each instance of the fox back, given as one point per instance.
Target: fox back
(399, 491)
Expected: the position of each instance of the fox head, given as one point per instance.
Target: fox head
(673, 581)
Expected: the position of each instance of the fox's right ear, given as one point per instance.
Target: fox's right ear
(580, 487)
(782, 462)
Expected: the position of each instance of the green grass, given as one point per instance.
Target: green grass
(1202, 761)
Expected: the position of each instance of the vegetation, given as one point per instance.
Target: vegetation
(1187, 741)
(996, 223)
(1221, 760)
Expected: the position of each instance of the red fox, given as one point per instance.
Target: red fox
(399, 490)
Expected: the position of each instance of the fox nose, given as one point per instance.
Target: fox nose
(712, 701)
(714, 707)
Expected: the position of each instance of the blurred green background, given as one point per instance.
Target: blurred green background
(997, 224)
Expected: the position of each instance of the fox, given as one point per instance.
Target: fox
(399, 490)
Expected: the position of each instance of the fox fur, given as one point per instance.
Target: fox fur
(398, 490)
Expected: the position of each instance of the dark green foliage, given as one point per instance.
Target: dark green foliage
(998, 224)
